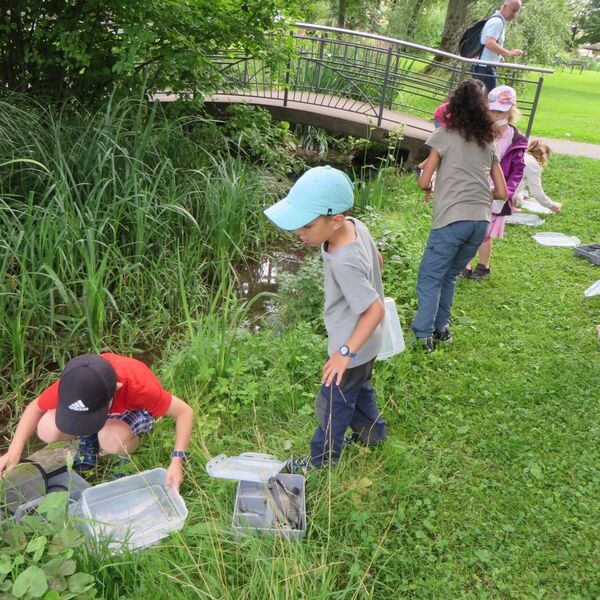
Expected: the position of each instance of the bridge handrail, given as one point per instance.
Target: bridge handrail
(374, 36)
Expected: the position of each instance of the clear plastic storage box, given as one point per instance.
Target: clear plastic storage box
(266, 501)
(135, 511)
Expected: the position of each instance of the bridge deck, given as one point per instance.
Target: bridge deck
(330, 112)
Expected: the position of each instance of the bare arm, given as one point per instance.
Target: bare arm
(429, 167)
(492, 45)
(500, 191)
(25, 429)
(533, 175)
(380, 260)
(336, 365)
(184, 422)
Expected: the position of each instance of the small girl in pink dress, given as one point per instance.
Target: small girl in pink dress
(511, 146)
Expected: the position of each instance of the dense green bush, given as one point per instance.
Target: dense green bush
(113, 224)
(251, 131)
(87, 48)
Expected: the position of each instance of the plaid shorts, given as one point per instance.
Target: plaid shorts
(139, 421)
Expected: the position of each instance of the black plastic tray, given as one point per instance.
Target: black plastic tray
(590, 252)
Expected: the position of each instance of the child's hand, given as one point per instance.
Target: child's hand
(8, 462)
(334, 369)
(175, 473)
(427, 197)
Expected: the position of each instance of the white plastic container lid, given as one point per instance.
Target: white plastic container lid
(535, 206)
(593, 290)
(248, 466)
(525, 219)
(553, 238)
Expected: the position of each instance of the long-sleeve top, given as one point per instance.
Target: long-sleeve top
(512, 164)
(532, 179)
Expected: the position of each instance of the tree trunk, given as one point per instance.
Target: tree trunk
(412, 23)
(455, 23)
(341, 14)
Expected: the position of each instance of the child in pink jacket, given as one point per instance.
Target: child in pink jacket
(511, 145)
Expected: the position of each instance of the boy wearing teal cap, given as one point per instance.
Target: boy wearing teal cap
(316, 210)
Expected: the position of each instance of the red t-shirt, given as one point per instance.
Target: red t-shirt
(140, 389)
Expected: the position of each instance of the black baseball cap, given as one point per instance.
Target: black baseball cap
(86, 387)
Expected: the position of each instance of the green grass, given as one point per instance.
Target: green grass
(488, 484)
(569, 107)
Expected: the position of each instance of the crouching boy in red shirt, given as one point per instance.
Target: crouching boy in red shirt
(108, 401)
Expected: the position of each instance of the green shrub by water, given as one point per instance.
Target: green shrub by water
(113, 225)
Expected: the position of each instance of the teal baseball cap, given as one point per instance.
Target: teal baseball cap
(320, 191)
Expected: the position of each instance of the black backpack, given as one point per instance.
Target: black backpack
(470, 45)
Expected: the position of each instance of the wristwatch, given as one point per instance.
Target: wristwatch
(179, 454)
(345, 351)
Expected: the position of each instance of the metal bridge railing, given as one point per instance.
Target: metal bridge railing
(378, 76)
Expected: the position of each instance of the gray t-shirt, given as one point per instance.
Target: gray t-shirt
(462, 191)
(493, 28)
(352, 281)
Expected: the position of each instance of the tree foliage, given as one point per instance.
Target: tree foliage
(541, 28)
(86, 47)
(588, 21)
(418, 21)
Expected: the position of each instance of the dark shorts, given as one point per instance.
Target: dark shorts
(139, 421)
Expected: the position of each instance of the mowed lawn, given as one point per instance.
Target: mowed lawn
(570, 107)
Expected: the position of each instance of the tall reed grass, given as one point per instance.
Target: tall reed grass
(113, 227)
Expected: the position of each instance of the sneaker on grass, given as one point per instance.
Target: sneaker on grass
(443, 336)
(297, 466)
(480, 272)
(86, 457)
(351, 438)
(424, 344)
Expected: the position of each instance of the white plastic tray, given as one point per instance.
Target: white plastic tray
(253, 510)
(553, 238)
(524, 219)
(535, 206)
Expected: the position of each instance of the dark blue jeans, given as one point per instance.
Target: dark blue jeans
(352, 404)
(486, 74)
(446, 254)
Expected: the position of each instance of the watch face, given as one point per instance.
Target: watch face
(344, 350)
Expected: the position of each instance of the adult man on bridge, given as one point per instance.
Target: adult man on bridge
(492, 39)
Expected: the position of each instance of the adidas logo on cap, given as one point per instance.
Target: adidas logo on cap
(79, 406)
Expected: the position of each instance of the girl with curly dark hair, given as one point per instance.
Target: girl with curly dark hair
(464, 155)
(467, 113)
